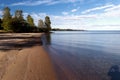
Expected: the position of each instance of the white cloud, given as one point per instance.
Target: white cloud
(40, 2)
(114, 7)
(36, 16)
(97, 8)
(109, 11)
(65, 13)
(87, 22)
(53, 2)
(109, 19)
(70, 12)
(25, 14)
(113, 11)
(31, 3)
(73, 10)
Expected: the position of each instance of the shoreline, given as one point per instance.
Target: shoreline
(24, 58)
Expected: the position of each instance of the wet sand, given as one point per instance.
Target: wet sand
(23, 58)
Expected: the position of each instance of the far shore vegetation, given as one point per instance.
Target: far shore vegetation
(58, 29)
(18, 24)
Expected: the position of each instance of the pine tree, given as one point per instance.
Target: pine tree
(18, 14)
(30, 21)
(6, 13)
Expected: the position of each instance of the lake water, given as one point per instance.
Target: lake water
(84, 55)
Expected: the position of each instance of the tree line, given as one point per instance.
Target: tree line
(17, 23)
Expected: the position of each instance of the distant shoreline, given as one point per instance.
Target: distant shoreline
(57, 29)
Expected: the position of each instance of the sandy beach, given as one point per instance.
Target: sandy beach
(22, 57)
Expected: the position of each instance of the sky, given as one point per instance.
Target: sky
(72, 14)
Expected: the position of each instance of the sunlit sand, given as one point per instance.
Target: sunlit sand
(24, 58)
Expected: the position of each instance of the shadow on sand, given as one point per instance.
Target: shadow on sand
(17, 43)
(114, 72)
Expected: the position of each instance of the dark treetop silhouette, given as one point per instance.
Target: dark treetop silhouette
(17, 23)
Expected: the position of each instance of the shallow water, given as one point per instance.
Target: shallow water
(84, 55)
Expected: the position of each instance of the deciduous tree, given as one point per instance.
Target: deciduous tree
(48, 23)
(6, 19)
(40, 24)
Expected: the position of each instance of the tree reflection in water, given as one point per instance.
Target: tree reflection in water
(46, 39)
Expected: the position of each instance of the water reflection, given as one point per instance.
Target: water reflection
(114, 72)
(79, 56)
(46, 39)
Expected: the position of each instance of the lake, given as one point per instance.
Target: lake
(84, 55)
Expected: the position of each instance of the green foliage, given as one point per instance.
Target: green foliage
(30, 20)
(43, 30)
(18, 14)
(6, 13)
(6, 19)
(1, 24)
(18, 24)
(6, 25)
(48, 23)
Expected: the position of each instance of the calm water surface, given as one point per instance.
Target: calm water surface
(87, 55)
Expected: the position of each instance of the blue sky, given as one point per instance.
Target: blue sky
(73, 14)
